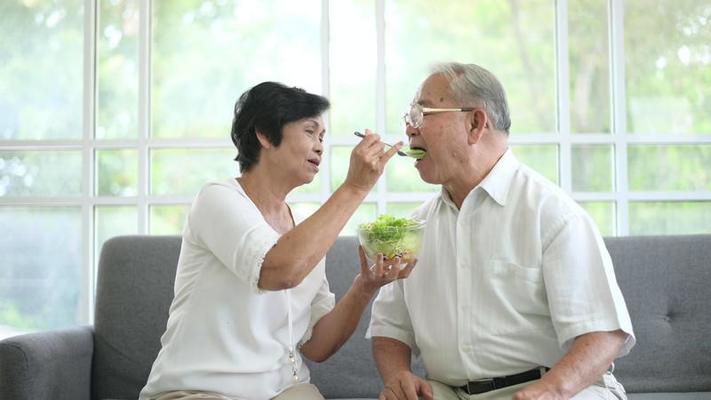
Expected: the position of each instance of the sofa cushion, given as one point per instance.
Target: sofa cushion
(666, 282)
(134, 292)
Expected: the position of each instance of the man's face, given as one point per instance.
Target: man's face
(442, 135)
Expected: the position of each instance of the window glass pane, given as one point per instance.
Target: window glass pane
(117, 69)
(669, 168)
(40, 279)
(40, 173)
(514, 40)
(592, 168)
(353, 57)
(541, 158)
(340, 161)
(113, 221)
(670, 218)
(206, 53)
(402, 176)
(185, 171)
(588, 49)
(117, 172)
(402, 210)
(603, 213)
(365, 213)
(167, 219)
(668, 58)
(41, 83)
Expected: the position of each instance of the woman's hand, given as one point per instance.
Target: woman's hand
(368, 161)
(382, 272)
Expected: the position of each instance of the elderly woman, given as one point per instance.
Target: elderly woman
(251, 295)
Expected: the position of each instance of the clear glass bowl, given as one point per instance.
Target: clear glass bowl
(392, 241)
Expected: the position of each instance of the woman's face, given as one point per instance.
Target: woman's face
(301, 148)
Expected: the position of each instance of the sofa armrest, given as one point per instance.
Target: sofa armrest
(47, 365)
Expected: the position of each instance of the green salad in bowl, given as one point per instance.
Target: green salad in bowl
(391, 236)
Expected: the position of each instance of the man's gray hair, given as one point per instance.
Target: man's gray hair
(472, 83)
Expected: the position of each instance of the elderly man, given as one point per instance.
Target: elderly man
(514, 295)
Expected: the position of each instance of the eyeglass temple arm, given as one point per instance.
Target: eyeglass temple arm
(435, 110)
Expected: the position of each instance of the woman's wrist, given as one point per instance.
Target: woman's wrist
(354, 190)
(363, 290)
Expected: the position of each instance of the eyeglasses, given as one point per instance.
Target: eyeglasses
(416, 116)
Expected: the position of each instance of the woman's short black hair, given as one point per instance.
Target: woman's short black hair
(266, 108)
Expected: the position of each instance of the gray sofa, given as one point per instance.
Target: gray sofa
(666, 282)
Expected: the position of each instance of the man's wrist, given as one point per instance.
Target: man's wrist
(560, 388)
(396, 375)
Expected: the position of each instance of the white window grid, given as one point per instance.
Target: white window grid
(144, 144)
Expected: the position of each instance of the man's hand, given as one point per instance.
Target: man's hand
(406, 386)
(583, 365)
(539, 390)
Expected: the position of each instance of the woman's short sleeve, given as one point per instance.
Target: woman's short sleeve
(226, 222)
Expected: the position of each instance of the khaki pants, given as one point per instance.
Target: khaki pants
(305, 391)
(606, 388)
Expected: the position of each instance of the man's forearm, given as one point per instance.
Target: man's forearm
(586, 361)
(391, 356)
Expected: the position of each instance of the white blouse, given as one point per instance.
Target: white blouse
(224, 334)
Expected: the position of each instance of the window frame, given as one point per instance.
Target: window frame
(618, 138)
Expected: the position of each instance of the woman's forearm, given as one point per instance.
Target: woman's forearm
(334, 328)
(298, 251)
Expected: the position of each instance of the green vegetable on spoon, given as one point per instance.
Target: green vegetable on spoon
(417, 154)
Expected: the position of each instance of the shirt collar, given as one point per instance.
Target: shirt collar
(496, 183)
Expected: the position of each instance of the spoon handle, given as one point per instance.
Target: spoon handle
(400, 153)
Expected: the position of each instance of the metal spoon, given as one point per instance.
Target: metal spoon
(400, 153)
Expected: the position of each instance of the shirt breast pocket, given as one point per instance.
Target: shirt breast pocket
(517, 287)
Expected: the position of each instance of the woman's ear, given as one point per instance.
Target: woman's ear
(264, 141)
(477, 123)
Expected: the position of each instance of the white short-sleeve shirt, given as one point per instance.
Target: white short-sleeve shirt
(224, 334)
(503, 284)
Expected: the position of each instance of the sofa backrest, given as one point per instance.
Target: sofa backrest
(666, 282)
(133, 294)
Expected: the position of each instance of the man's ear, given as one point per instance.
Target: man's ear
(264, 141)
(477, 123)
